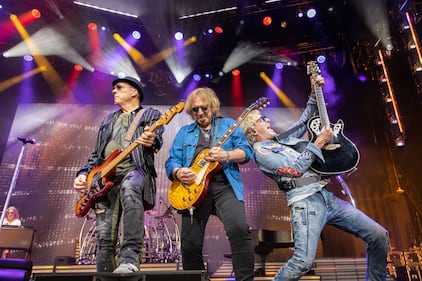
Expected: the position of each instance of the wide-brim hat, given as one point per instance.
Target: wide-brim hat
(134, 83)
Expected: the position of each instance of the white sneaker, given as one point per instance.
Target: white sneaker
(126, 268)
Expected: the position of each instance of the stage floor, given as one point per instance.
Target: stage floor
(350, 269)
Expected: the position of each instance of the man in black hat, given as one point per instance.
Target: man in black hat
(133, 189)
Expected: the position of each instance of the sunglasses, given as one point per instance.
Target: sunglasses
(263, 118)
(196, 108)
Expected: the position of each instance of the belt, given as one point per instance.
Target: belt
(291, 184)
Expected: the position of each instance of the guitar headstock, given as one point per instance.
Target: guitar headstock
(312, 68)
(169, 114)
(260, 103)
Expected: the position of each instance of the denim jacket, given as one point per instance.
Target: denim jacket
(182, 152)
(282, 153)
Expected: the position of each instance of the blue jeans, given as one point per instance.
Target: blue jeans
(310, 215)
(223, 203)
(124, 202)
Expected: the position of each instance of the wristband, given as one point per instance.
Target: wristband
(228, 157)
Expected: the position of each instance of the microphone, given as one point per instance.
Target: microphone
(26, 140)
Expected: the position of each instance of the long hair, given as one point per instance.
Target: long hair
(206, 94)
(249, 125)
(15, 212)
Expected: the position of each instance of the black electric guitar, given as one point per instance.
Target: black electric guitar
(98, 180)
(340, 154)
(189, 197)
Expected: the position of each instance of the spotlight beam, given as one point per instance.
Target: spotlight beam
(281, 95)
(19, 78)
(50, 74)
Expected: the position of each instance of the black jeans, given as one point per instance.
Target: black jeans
(223, 203)
(124, 203)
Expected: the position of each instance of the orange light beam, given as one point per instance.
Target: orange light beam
(19, 78)
(280, 94)
(50, 74)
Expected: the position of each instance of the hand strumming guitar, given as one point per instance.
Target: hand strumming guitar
(324, 137)
(79, 185)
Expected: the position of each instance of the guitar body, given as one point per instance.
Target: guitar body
(341, 155)
(183, 196)
(97, 186)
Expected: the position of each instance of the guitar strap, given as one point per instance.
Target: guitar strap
(290, 131)
(133, 125)
(217, 122)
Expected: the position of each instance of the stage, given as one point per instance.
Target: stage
(350, 269)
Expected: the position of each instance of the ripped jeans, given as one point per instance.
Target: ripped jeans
(123, 203)
(310, 215)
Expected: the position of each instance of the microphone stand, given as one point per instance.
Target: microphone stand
(15, 177)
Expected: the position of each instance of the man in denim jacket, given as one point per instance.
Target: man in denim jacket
(224, 197)
(287, 160)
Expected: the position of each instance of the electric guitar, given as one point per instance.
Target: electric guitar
(340, 154)
(98, 180)
(182, 196)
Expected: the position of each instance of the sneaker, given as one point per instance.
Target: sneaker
(126, 268)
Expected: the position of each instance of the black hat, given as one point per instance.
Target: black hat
(134, 83)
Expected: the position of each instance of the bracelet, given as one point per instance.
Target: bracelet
(175, 173)
(228, 157)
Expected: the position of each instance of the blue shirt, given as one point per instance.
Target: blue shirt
(182, 152)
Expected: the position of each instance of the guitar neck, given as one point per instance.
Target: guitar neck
(164, 119)
(233, 127)
(113, 163)
(322, 109)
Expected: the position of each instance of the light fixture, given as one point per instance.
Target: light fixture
(311, 13)
(399, 141)
(178, 35)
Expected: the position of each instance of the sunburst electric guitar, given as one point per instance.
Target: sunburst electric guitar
(189, 197)
(340, 154)
(98, 180)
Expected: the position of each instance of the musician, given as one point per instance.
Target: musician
(225, 194)
(287, 160)
(12, 218)
(134, 179)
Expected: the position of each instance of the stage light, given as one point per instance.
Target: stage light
(311, 13)
(283, 24)
(136, 35)
(196, 77)
(279, 65)
(389, 47)
(218, 29)
(92, 26)
(417, 68)
(321, 59)
(235, 72)
(210, 31)
(103, 28)
(178, 35)
(36, 13)
(78, 68)
(411, 45)
(300, 14)
(28, 58)
(267, 21)
(399, 141)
